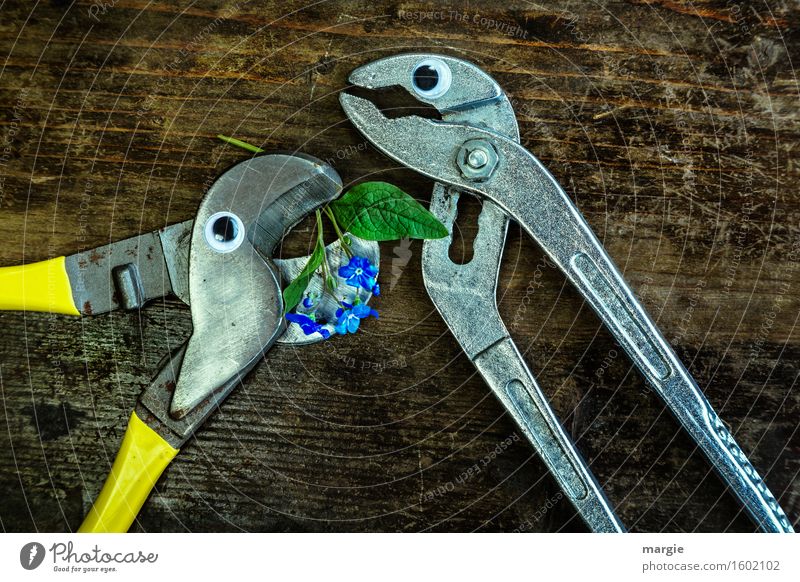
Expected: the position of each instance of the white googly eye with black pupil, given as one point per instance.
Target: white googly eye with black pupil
(224, 232)
(431, 78)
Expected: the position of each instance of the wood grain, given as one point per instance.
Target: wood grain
(673, 124)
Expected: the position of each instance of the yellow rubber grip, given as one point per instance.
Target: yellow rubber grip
(42, 286)
(141, 459)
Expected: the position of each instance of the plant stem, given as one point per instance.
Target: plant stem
(325, 267)
(318, 214)
(241, 144)
(332, 218)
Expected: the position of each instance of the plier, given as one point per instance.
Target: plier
(475, 148)
(220, 264)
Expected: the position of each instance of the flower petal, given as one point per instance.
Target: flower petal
(353, 323)
(347, 271)
(299, 318)
(361, 310)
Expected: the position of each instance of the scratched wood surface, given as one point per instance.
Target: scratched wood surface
(673, 124)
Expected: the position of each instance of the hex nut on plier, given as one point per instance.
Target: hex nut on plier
(477, 159)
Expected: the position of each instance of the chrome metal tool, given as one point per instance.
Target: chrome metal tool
(475, 148)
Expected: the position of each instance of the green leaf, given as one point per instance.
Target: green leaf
(380, 211)
(293, 293)
(242, 144)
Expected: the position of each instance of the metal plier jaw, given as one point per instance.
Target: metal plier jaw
(468, 151)
(234, 288)
(221, 265)
(466, 294)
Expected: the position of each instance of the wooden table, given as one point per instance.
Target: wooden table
(673, 124)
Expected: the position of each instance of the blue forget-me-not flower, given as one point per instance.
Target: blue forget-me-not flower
(349, 317)
(359, 272)
(308, 324)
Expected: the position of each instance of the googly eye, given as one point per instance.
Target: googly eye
(224, 232)
(431, 78)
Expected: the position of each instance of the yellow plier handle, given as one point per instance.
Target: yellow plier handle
(141, 459)
(42, 286)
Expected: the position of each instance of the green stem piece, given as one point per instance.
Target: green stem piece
(242, 144)
(342, 238)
